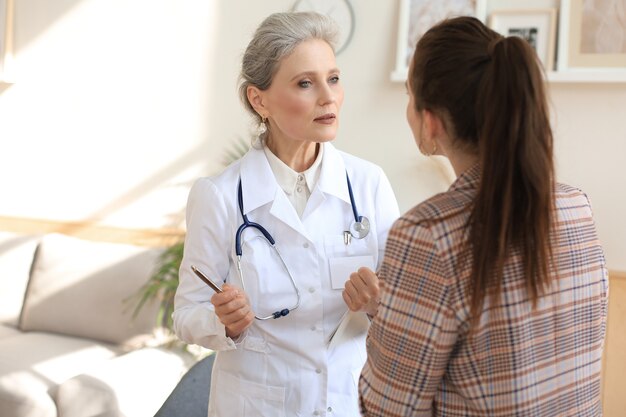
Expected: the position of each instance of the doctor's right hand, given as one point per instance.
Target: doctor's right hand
(233, 309)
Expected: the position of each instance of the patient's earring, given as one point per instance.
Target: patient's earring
(428, 153)
(434, 148)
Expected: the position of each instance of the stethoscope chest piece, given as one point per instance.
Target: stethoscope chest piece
(360, 229)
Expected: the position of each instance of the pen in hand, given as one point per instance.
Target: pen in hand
(206, 280)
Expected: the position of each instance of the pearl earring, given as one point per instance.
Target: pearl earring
(262, 126)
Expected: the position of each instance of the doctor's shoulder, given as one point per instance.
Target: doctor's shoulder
(212, 189)
(229, 177)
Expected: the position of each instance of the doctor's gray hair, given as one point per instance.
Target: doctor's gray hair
(276, 37)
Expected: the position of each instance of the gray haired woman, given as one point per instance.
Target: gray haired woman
(282, 231)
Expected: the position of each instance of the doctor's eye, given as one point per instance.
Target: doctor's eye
(305, 84)
(334, 79)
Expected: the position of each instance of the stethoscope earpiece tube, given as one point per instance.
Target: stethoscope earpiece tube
(360, 227)
(357, 218)
(247, 223)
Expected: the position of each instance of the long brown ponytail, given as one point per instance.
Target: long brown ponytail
(490, 91)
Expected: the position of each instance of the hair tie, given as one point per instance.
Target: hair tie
(493, 44)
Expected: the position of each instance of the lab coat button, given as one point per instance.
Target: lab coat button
(329, 409)
(299, 189)
(318, 371)
(313, 328)
(306, 245)
(311, 290)
(316, 413)
(300, 178)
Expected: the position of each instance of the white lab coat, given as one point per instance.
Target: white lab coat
(280, 367)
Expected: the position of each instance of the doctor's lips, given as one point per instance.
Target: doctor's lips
(328, 118)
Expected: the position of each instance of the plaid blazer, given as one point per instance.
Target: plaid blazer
(521, 361)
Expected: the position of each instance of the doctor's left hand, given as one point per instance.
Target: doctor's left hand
(362, 291)
(233, 309)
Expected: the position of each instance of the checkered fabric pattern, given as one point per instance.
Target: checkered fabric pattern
(521, 361)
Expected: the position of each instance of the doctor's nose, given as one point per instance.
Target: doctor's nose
(328, 95)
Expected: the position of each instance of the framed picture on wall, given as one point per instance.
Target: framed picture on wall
(6, 37)
(3, 29)
(417, 16)
(536, 26)
(592, 34)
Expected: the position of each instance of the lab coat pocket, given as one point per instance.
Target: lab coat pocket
(344, 259)
(247, 398)
(341, 268)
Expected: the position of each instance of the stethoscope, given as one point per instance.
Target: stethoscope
(359, 228)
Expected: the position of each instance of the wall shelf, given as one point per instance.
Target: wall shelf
(587, 76)
(566, 76)
(563, 74)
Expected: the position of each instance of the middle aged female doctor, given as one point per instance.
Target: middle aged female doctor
(297, 216)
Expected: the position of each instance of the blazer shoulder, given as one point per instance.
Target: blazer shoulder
(442, 206)
(567, 195)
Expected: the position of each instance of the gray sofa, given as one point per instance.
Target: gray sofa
(69, 346)
(190, 398)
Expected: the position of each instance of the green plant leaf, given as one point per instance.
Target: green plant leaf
(161, 286)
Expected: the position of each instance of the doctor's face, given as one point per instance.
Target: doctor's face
(305, 96)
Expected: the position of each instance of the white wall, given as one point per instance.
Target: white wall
(119, 104)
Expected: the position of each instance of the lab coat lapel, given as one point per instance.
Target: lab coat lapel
(333, 175)
(257, 180)
(331, 183)
(259, 187)
(284, 211)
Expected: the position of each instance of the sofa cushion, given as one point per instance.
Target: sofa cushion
(134, 384)
(86, 289)
(16, 258)
(32, 363)
(8, 331)
(25, 395)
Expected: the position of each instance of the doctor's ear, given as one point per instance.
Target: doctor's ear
(255, 98)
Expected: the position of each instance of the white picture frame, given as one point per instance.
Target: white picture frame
(537, 26)
(6, 39)
(576, 30)
(3, 29)
(415, 17)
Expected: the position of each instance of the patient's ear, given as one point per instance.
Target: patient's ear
(255, 98)
(433, 125)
